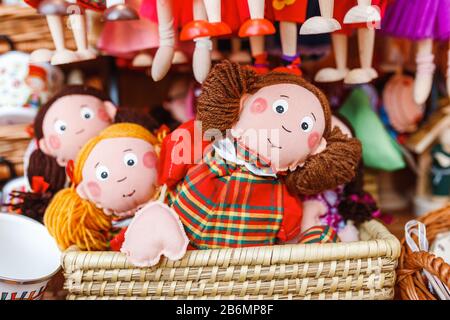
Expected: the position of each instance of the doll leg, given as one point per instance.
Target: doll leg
(425, 71)
(238, 55)
(117, 10)
(61, 54)
(364, 12)
(201, 59)
(259, 55)
(213, 10)
(323, 23)
(340, 44)
(291, 60)
(164, 55)
(257, 25)
(365, 74)
(78, 24)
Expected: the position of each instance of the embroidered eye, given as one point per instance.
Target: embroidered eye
(307, 124)
(280, 106)
(130, 159)
(60, 126)
(102, 173)
(86, 113)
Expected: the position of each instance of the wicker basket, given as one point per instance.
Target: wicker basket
(14, 140)
(411, 284)
(359, 270)
(27, 29)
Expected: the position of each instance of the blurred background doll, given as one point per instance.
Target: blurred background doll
(440, 167)
(423, 21)
(342, 18)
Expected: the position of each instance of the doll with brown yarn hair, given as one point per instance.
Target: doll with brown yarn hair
(61, 127)
(272, 143)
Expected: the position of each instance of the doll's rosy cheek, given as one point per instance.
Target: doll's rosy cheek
(259, 105)
(313, 140)
(54, 141)
(150, 159)
(103, 115)
(94, 189)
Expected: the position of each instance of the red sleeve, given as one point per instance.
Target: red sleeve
(292, 217)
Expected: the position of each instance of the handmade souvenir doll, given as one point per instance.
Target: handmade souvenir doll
(440, 168)
(37, 82)
(62, 126)
(278, 145)
(289, 13)
(342, 18)
(423, 21)
(115, 174)
(333, 215)
(55, 10)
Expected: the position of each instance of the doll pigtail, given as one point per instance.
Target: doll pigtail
(72, 220)
(334, 166)
(218, 105)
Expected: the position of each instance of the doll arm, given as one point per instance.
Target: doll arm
(164, 55)
(292, 217)
(313, 209)
(155, 230)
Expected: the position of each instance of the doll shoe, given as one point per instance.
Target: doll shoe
(319, 24)
(179, 58)
(331, 75)
(41, 55)
(142, 60)
(87, 54)
(240, 57)
(260, 64)
(424, 78)
(360, 76)
(362, 14)
(120, 12)
(256, 27)
(196, 29)
(220, 29)
(63, 57)
(292, 68)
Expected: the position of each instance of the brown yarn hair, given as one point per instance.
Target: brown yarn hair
(218, 107)
(33, 204)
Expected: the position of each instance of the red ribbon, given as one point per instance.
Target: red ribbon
(39, 185)
(70, 169)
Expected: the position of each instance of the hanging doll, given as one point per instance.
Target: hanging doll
(55, 10)
(278, 145)
(115, 174)
(337, 213)
(62, 126)
(423, 21)
(36, 80)
(342, 18)
(289, 13)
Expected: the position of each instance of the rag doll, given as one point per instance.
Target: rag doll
(62, 126)
(440, 168)
(55, 10)
(338, 211)
(423, 21)
(273, 142)
(342, 18)
(115, 175)
(37, 82)
(289, 13)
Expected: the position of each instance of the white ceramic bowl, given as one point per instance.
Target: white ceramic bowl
(29, 257)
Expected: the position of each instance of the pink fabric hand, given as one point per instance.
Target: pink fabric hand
(154, 231)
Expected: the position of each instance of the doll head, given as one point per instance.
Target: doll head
(115, 172)
(285, 120)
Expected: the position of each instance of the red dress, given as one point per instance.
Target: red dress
(341, 7)
(287, 10)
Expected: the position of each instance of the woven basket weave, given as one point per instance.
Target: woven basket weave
(359, 270)
(14, 140)
(411, 284)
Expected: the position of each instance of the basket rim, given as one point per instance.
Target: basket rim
(384, 244)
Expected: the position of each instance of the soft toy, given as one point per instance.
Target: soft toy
(278, 145)
(115, 175)
(62, 126)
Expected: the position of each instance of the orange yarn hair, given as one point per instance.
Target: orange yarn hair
(72, 220)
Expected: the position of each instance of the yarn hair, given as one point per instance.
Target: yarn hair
(218, 107)
(72, 220)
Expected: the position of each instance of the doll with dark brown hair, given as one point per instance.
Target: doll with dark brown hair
(273, 143)
(61, 128)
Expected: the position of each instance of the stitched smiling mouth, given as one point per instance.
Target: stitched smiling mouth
(273, 146)
(129, 195)
(80, 131)
(286, 129)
